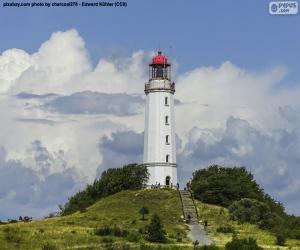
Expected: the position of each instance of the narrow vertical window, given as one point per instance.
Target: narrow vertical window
(166, 101)
(167, 158)
(167, 139)
(167, 120)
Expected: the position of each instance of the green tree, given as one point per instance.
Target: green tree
(113, 180)
(143, 211)
(221, 186)
(155, 230)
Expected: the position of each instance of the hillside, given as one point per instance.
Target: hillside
(219, 217)
(76, 231)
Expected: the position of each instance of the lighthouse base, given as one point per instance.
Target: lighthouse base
(162, 174)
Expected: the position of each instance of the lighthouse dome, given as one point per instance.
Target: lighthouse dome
(159, 59)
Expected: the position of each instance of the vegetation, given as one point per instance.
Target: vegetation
(222, 186)
(143, 211)
(49, 246)
(210, 247)
(155, 230)
(235, 188)
(252, 211)
(280, 239)
(226, 229)
(113, 180)
(112, 231)
(219, 217)
(118, 211)
(242, 244)
(106, 216)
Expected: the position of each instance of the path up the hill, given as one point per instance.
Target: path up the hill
(197, 232)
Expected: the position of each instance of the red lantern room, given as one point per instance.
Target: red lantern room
(159, 67)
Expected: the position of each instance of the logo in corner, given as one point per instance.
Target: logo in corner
(283, 7)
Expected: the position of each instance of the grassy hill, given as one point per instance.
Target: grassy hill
(77, 231)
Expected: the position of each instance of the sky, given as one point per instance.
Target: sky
(72, 101)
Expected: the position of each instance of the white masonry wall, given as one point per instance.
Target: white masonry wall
(156, 130)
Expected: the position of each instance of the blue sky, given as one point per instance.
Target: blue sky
(200, 32)
(238, 84)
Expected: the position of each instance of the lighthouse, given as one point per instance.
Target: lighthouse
(159, 136)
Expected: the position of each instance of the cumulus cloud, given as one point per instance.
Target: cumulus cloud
(62, 65)
(121, 148)
(24, 191)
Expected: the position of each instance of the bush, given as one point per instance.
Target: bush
(134, 236)
(226, 229)
(242, 244)
(251, 211)
(49, 246)
(155, 230)
(112, 231)
(113, 180)
(280, 239)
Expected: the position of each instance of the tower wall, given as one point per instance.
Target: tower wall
(156, 145)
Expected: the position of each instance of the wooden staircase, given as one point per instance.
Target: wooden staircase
(189, 209)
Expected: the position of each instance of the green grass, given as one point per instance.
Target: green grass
(218, 217)
(76, 231)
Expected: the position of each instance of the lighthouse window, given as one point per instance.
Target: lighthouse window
(166, 101)
(167, 158)
(167, 120)
(167, 139)
(159, 72)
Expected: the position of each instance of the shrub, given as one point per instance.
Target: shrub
(251, 211)
(49, 246)
(134, 236)
(103, 231)
(242, 244)
(178, 237)
(112, 231)
(155, 230)
(280, 239)
(226, 229)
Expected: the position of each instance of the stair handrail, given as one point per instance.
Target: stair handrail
(181, 204)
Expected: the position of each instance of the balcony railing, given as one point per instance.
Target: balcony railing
(161, 85)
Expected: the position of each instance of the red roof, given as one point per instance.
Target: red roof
(159, 59)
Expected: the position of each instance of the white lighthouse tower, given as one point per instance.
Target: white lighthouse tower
(159, 137)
